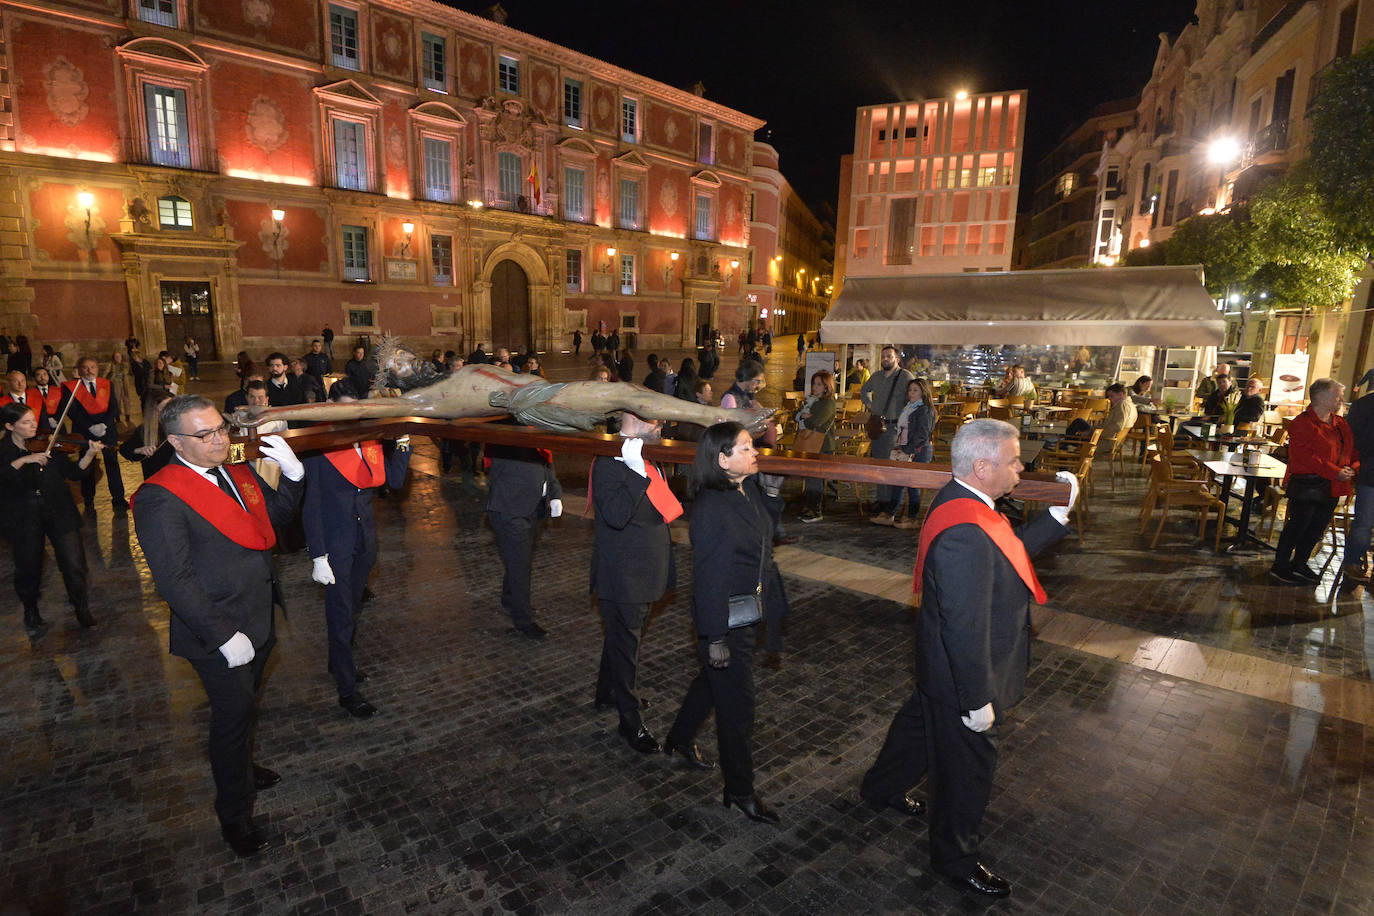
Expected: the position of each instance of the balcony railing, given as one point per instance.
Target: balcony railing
(1273, 138)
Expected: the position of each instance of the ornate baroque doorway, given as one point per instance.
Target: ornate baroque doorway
(510, 307)
(187, 312)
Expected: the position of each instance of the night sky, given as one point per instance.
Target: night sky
(804, 67)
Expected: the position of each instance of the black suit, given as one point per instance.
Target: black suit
(520, 485)
(632, 567)
(972, 648)
(339, 523)
(82, 421)
(216, 588)
(732, 545)
(235, 400)
(36, 502)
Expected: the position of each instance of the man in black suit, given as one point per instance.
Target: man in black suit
(283, 388)
(95, 415)
(207, 533)
(317, 362)
(360, 370)
(632, 567)
(972, 649)
(341, 531)
(520, 485)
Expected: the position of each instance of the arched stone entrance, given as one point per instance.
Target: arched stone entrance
(510, 307)
(502, 322)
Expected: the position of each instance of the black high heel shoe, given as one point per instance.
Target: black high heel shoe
(691, 753)
(753, 808)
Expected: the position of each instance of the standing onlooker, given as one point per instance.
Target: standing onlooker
(914, 428)
(191, 350)
(359, 371)
(1360, 418)
(577, 342)
(327, 338)
(14, 360)
(25, 353)
(52, 361)
(625, 366)
(613, 344)
(708, 361)
(817, 414)
(1322, 464)
(731, 562)
(882, 395)
(318, 363)
(801, 345)
(598, 343)
(312, 387)
(121, 377)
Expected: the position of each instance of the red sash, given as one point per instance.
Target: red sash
(251, 529)
(363, 471)
(31, 398)
(53, 401)
(995, 526)
(659, 494)
(94, 406)
(6, 400)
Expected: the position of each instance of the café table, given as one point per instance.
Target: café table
(1043, 430)
(1252, 467)
(1030, 451)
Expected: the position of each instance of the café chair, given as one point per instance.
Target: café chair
(1189, 495)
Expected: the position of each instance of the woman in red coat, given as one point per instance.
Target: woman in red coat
(1321, 469)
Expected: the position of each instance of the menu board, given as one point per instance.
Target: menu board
(1289, 385)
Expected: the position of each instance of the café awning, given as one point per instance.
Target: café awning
(1131, 306)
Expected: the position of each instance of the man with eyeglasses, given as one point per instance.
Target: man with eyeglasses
(206, 530)
(95, 416)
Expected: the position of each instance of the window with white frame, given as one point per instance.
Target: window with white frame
(629, 203)
(703, 217)
(169, 131)
(355, 253)
(574, 195)
(508, 176)
(629, 120)
(441, 260)
(508, 74)
(706, 151)
(174, 212)
(627, 274)
(438, 153)
(158, 12)
(350, 155)
(433, 63)
(574, 270)
(572, 102)
(343, 37)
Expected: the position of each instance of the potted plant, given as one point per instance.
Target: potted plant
(1170, 405)
(1228, 416)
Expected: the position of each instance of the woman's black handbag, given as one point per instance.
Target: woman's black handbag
(1308, 488)
(746, 610)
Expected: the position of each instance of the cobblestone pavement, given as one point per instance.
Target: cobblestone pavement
(488, 784)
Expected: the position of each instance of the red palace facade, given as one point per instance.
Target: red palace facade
(246, 171)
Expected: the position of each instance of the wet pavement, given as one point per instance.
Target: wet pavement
(1194, 739)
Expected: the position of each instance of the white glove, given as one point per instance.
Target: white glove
(52, 422)
(320, 570)
(555, 508)
(979, 720)
(1061, 513)
(632, 453)
(238, 650)
(275, 449)
(98, 430)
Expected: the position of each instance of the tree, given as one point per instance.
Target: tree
(1342, 147)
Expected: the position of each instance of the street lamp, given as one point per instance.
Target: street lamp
(1223, 151)
(278, 215)
(86, 200)
(409, 230)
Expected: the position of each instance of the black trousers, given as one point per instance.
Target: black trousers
(70, 551)
(515, 539)
(233, 695)
(1305, 526)
(730, 692)
(927, 738)
(342, 603)
(615, 682)
(110, 458)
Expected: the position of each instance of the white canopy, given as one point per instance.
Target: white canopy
(1160, 306)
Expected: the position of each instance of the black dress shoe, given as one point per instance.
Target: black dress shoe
(691, 753)
(357, 707)
(532, 630)
(983, 882)
(263, 778)
(601, 705)
(641, 740)
(83, 616)
(359, 675)
(911, 807)
(244, 837)
(753, 808)
(1306, 573)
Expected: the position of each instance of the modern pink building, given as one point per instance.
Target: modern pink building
(931, 186)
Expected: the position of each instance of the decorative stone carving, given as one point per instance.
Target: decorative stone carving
(667, 198)
(396, 148)
(603, 188)
(266, 125)
(391, 44)
(670, 130)
(258, 13)
(67, 91)
(513, 124)
(731, 212)
(267, 232)
(139, 211)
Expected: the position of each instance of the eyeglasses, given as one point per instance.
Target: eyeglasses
(207, 435)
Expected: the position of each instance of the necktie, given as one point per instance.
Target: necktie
(227, 485)
(91, 387)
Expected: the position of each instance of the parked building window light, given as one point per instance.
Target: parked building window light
(441, 259)
(574, 270)
(574, 195)
(438, 169)
(703, 217)
(355, 253)
(629, 120)
(572, 103)
(629, 203)
(169, 132)
(508, 175)
(158, 12)
(627, 274)
(350, 155)
(174, 213)
(508, 74)
(433, 63)
(343, 37)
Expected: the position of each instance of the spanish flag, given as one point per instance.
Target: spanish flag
(533, 179)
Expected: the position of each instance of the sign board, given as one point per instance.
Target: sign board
(1289, 385)
(818, 361)
(401, 269)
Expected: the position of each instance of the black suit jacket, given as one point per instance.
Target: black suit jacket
(334, 507)
(632, 555)
(214, 587)
(730, 532)
(19, 511)
(235, 399)
(82, 421)
(973, 630)
(293, 392)
(519, 482)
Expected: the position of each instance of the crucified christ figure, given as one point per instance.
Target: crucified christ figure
(487, 391)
